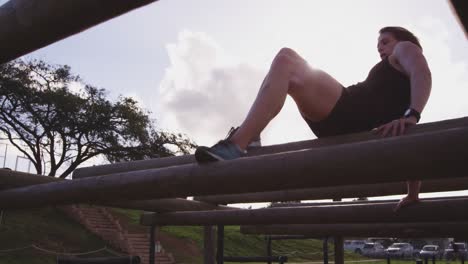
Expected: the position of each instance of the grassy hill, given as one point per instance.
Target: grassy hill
(52, 230)
(188, 248)
(48, 229)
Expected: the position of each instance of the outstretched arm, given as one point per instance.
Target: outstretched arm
(413, 63)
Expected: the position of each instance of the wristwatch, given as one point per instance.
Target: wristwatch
(412, 112)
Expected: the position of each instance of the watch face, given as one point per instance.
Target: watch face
(407, 112)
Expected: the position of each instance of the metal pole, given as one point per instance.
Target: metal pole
(5, 155)
(208, 245)
(152, 245)
(268, 239)
(325, 250)
(16, 163)
(220, 247)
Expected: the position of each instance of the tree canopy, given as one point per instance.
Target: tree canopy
(56, 125)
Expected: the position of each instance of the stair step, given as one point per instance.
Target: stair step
(101, 223)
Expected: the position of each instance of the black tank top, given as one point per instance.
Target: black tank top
(382, 97)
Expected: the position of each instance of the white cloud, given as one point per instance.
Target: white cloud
(203, 92)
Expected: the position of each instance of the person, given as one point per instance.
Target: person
(389, 100)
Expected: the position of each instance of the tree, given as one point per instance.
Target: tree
(55, 127)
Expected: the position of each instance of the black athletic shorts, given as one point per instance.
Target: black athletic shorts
(346, 117)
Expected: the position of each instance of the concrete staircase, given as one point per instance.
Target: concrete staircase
(99, 221)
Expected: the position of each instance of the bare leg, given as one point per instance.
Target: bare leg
(314, 92)
(412, 197)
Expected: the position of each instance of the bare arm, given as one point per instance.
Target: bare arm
(414, 64)
(411, 61)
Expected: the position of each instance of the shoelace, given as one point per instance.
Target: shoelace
(231, 132)
(255, 142)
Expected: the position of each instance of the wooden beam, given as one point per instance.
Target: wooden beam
(296, 204)
(460, 11)
(293, 146)
(351, 191)
(412, 157)
(13, 179)
(167, 205)
(10, 179)
(425, 211)
(401, 230)
(27, 25)
(339, 249)
(208, 245)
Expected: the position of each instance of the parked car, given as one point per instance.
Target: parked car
(400, 250)
(429, 251)
(373, 250)
(355, 246)
(461, 249)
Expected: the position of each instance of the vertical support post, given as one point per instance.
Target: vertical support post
(339, 250)
(4, 155)
(388, 259)
(220, 247)
(325, 250)
(152, 245)
(208, 243)
(426, 260)
(268, 240)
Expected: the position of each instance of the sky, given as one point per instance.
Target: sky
(197, 65)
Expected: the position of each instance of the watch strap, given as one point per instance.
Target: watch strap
(412, 112)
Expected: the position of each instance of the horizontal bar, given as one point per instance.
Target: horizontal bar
(401, 230)
(424, 211)
(265, 150)
(27, 25)
(341, 192)
(10, 179)
(413, 157)
(167, 205)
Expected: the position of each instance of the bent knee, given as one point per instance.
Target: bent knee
(287, 52)
(286, 55)
(288, 58)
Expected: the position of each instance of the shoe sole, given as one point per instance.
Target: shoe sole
(203, 155)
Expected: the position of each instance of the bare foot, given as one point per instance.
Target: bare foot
(406, 201)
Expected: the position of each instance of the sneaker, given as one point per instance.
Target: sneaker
(223, 150)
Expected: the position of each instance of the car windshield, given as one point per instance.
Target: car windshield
(368, 245)
(429, 248)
